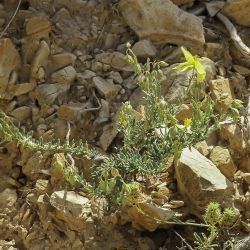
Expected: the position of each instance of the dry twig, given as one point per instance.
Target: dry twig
(11, 20)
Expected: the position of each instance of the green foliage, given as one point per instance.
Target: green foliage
(10, 132)
(113, 186)
(150, 136)
(193, 63)
(70, 171)
(213, 213)
(219, 226)
(154, 134)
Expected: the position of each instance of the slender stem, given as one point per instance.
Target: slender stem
(11, 20)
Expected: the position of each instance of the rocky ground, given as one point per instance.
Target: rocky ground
(62, 62)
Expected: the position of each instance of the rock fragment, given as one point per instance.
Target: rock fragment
(144, 49)
(22, 113)
(222, 159)
(23, 88)
(105, 88)
(9, 62)
(156, 20)
(201, 182)
(38, 26)
(40, 61)
(71, 208)
(42, 186)
(46, 94)
(238, 11)
(148, 214)
(8, 197)
(109, 133)
(64, 76)
(222, 94)
(70, 112)
(62, 60)
(235, 136)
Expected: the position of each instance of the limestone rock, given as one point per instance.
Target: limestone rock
(214, 51)
(40, 61)
(200, 182)
(104, 112)
(70, 112)
(62, 60)
(246, 177)
(222, 159)
(203, 148)
(9, 62)
(32, 168)
(116, 60)
(22, 113)
(46, 94)
(238, 11)
(116, 76)
(148, 216)
(184, 113)
(156, 20)
(23, 88)
(71, 208)
(235, 136)
(64, 76)
(42, 186)
(222, 94)
(8, 197)
(144, 49)
(245, 163)
(37, 25)
(242, 70)
(105, 88)
(109, 133)
(87, 75)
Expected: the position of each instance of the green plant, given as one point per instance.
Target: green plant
(155, 134)
(150, 137)
(219, 226)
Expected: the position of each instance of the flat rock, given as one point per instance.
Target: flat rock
(71, 208)
(46, 94)
(201, 182)
(8, 197)
(9, 62)
(234, 134)
(109, 133)
(23, 88)
(70, 112)
(238, 11)
(40, 61)
(37, 25)
(148, 215)
(222, 159)
(105, 88)
(62, 60)
(144, 49)
(64, 76)
(156, 20)
(74, 202)
(22, 113)
(116, 60)
(221, 93)
(42, 186)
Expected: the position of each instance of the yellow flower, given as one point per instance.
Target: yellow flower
(187, 122)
